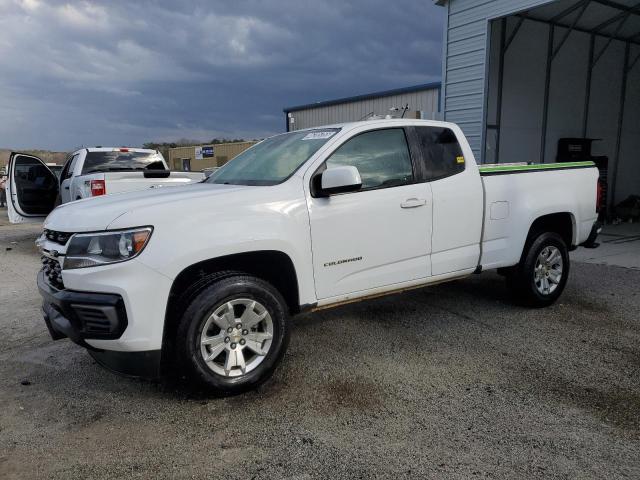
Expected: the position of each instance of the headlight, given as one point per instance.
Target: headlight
(93, 249)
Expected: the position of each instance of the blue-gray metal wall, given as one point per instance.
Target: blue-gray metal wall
(425, 101)
(465, 61)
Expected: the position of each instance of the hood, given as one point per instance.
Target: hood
(93, 214)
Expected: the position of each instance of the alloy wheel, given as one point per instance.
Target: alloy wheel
(548, 270)
(236, 337)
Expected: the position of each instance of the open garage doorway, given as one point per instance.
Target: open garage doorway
(568, 70)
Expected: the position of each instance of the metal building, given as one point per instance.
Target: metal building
(422, 100)
(205, 156)
(519, 75)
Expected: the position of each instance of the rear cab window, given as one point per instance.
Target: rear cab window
(119, 161)
(440, 152)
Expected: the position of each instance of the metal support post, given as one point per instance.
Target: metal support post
(623, 96)
(547, 88)
(587, 95)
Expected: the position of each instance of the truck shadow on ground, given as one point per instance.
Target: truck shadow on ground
(327, 334)
(418, 309)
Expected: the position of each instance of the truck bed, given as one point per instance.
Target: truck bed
(517, 194)
(120, 182)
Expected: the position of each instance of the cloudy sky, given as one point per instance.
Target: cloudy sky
(122, 72)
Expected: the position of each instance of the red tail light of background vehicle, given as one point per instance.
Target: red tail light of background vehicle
(98, 188)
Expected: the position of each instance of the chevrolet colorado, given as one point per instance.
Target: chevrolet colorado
(204, 278)
(88, 172)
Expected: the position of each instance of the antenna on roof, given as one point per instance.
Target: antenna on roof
(397, 109)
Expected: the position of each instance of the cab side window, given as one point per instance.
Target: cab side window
(381, 156)
(69, 167)
(441, 152)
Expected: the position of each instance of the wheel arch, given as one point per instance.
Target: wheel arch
(522, 279)
(273, 266)
(562, 223)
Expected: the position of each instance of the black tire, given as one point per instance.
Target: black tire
(222, 289)
(521, 279)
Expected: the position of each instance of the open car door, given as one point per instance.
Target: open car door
(32, 189)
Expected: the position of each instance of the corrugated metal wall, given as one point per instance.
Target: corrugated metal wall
(464, 60)
(426, 101)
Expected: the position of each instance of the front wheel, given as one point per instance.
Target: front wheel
(540, 277)
(233, 334)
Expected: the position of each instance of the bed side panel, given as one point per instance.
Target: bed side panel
(514, 201)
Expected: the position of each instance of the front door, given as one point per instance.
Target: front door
(380, 235)
(32, 189)
(66, 178)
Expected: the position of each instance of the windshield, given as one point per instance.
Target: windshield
(122, 160)
(273, 160)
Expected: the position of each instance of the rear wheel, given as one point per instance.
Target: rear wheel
(233, 334)
(540, 277)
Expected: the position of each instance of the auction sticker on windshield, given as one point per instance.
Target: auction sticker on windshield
(320, 135)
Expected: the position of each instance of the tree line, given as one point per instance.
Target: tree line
(184, 142)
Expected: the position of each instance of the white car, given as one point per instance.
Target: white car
(35, 187)
(302, 221)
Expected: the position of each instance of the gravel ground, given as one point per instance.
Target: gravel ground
(452, 381)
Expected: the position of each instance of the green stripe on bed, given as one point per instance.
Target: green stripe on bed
(534, 167)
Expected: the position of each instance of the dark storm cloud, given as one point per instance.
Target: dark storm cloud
(122, 72)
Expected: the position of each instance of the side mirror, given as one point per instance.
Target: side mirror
(340, 180)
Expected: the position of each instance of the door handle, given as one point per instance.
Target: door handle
(413, 203)
(67, 187)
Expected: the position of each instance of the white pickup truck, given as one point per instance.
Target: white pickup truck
(33, 187)
(299, 222)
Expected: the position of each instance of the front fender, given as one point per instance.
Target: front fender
(187, 234)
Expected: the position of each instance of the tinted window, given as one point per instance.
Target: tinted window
(381, 156)
(121, 161)
(441, 152)
(273, 160)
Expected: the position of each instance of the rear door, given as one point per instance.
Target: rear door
(32, 189)
(458, 201)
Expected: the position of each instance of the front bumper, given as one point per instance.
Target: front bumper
(82, 316)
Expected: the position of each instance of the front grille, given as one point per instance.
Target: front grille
(58, 237)
(53, 271)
